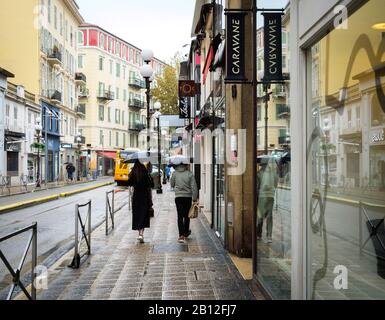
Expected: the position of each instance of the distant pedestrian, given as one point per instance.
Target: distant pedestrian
(168, 173)
(70, 171)
(140, 180)
(186, 191)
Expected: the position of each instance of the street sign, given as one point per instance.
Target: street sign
(184, 108)
(235, 42)
(273, 46)
(187, 88)
(66, 146)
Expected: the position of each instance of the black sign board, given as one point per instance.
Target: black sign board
(184, 108)
(273, 46)
(235, 42)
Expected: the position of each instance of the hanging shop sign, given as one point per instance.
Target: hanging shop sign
(187, 88)
(235, 46)
(273, 46)
(184, 108)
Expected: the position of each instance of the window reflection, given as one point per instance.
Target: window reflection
(346, 154)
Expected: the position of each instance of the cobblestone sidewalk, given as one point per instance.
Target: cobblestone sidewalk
(161, 268)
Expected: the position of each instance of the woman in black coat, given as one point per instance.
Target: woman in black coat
(141, 200)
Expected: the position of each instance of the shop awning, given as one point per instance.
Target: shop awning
(107, 154)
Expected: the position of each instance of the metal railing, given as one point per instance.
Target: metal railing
(110, 209)
(24, 182)
(5, 183)
(86, 234)
(16, 273)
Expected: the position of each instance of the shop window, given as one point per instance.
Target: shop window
(346, 161)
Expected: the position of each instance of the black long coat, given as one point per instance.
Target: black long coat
(141, 201)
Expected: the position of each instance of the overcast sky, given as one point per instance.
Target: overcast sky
(161, 25)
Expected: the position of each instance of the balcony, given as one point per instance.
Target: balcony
(80, 79)
(285, 140)
(54, 58)
(136, 127)
(137, 83)
(136, 103)
(55, 96)
(279, 93)
(106, 96)
(283, 112)
(81, 110)
(84, 93)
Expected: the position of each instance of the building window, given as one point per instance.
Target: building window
(101, 138)
(109, 114)
(55, 17)
(81, 38)
(61, 24)
(49, 11)
(101, 63)
(118, 70)
(109, 44)
(111, 66)
(101, 40)
(348, 159)
(117, 49)
(124, 140)
(117, 139)
(80, 61)
(117, 93)
(110, 138)
(123, 115)
(101, 113)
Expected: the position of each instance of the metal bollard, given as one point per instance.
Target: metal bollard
(75, 264)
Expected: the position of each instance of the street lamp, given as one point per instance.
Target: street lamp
(164, 134)
(157, 115)
(79, 140)
(147, 73)
(38, 129)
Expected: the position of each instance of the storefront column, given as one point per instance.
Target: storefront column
(239, 187)
(298, 161)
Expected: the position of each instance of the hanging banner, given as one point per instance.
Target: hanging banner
(273, 46)
(184, 108)
(235, 43)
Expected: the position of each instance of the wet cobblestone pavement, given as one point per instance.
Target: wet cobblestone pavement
(121, 268)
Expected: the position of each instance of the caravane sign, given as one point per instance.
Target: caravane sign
(235, 42)
(273, 46)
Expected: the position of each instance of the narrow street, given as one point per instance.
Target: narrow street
(161, 268)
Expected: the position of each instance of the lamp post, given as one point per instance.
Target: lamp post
(147, 73)
(38, 129)
(79, 140)
(157, 115)
(164, 134)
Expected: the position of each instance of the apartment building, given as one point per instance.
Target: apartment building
(44, 63)
(113, 101)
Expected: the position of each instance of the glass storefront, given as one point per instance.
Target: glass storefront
(346, 160)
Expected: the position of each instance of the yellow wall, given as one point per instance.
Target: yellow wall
(19, 42)
(341, 43)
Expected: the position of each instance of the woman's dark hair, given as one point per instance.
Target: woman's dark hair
(139, 170)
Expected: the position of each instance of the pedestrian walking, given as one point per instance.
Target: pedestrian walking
(70, 171)
(140, 180)
(186, 191)
(267, 185)
(168, 173)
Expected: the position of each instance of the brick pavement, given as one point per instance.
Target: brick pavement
(122, 269)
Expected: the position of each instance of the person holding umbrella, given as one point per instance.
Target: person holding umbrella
(141, 181)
